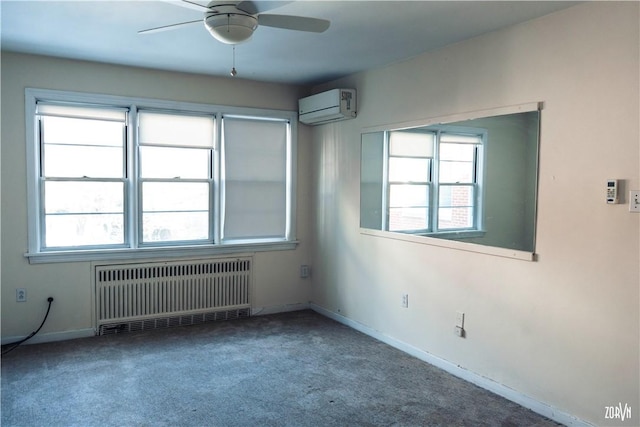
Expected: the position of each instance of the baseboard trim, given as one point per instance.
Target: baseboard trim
(90, 332)
(51, 337)
(275, 309)
(483, 382)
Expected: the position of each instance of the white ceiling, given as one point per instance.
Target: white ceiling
(362, 35)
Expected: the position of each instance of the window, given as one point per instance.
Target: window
(433, 180)
(175, 176)
(410, 158)
(119, 177)
(254, 179)
(82, 175)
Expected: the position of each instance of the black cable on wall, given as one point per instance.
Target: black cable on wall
(15, 345)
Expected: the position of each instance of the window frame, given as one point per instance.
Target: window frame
(388, 182)
(44, 179)
(140, 180)
(36, 252)
(434, 184)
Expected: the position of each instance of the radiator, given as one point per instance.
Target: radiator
(132, 297)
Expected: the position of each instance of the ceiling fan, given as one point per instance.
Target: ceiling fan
(234, 22)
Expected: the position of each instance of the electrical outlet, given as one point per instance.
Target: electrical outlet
(405, 300)
(305, 271)
(459, 319)
(634, 201)
(459, 330)
(21, 295)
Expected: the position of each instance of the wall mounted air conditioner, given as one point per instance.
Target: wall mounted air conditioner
(325, 107)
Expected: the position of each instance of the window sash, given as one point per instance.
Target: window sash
(185, 217)
(457, 206)
(57, 218)
(72, 157)
(164, 162)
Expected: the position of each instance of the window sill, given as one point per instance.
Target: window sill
(164, 252)
(455, 235)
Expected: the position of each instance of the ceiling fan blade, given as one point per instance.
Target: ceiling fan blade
(299, 23)
(167, 27)
(255, 7)
(189, 5)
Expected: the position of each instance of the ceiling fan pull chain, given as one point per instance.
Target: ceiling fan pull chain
(233, 69)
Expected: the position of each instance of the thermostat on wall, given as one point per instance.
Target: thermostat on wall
(612, 191)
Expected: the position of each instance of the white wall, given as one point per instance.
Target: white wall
(276, 282)
(563, 330)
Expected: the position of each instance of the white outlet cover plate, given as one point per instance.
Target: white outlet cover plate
(405, 301)
(460, 319)
(634, 201)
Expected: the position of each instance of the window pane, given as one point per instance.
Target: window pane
(175, 129)
(403, 169)
(168, 162)
(255, 178)
(411, 144)
(63, 197)
(461, 152)
(407, 195)
(75, 161)
(404, 219)
(83, 213)
(456, 195)
(76, 147)
(175, 211)
(171, 226)
(456, 207)
(84, 230)
(456, 172)
(455, 218)
(175, 196)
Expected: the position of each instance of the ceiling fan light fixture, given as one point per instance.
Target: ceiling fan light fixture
(231, 28)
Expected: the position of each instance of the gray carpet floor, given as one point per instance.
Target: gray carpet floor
(291, 369)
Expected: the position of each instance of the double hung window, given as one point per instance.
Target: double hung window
(410, 180)
(82, 175)
(113, 175)
(254, 178)
(434, 180)
(175, 176)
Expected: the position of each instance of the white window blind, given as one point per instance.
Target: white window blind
(175, 129)
(411, 144)
(254, 178)
(81, 111)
